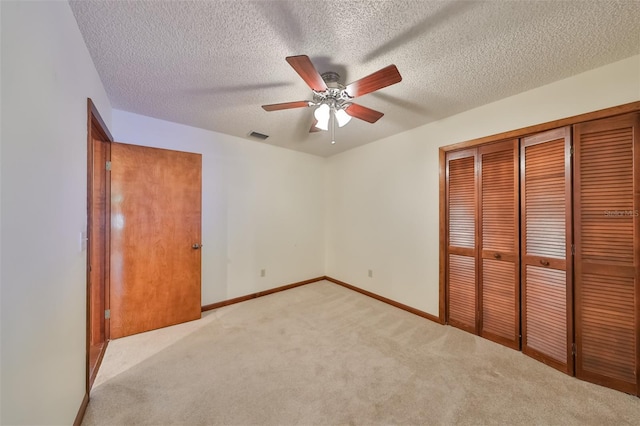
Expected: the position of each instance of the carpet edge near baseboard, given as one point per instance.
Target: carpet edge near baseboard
(259, 294)
(383, 299)
(388, 301)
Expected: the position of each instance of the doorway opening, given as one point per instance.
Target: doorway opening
(98, 236)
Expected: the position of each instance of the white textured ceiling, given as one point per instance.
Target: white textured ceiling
(212, 64)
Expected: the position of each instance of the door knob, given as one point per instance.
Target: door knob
(196, 246)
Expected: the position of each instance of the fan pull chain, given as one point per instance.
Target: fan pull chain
(333, 126)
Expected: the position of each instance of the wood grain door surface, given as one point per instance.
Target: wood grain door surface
(546, 212)
(98, 204)
(542, 247)
(606, 201)
(499, 264)
(99, 234)
(461, 230)
(155, 221)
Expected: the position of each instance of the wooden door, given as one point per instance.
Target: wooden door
(98, 207)
(461, 236)
(607, 235)
(155, 221)
(99, 236)
(545, 168)
(499, 275)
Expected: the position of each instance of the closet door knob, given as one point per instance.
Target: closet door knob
(544, 262)
(497, 256)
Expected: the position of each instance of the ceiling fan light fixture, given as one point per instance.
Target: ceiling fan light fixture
(342, 117)
(322, 114)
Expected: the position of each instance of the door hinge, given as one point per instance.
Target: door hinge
(573, 249)
(571, 151)
(108, 165)
(573, 349)
(107, 314)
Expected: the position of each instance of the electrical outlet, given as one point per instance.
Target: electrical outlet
(370, 273)
(263, 272)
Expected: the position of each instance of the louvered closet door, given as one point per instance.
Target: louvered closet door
(499, 283)
(461, 232)
(547, 333)
(606, 203)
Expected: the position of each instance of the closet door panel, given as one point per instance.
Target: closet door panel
(547, 332)
(499, 268)
(546, 313)
(462, 291)
(462, 203)
(606, 244)
(461, 232)
(499, 302)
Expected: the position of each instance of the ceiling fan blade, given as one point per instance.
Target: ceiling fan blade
(303, 66)
(364, 113)
(379, 79)
(286, 105)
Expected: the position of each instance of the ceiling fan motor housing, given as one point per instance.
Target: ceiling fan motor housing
(331, 78)
(335, 96)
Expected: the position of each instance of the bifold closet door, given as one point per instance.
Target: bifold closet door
(461, 240)
(499, 284)
(546, 266)
(607, 236)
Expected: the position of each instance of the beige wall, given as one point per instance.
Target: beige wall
(262, 206)
(382, 198)
(295, 215)
(47, 75)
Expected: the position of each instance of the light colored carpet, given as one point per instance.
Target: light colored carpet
(321, 354)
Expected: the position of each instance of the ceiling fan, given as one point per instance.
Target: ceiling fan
(332, 99)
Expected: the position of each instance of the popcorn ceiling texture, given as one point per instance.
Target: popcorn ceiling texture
(212, 64)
